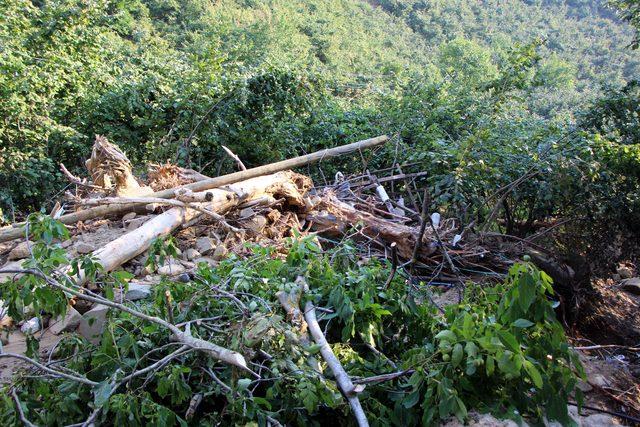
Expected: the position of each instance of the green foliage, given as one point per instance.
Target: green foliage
(629, 10)
(501, 350)
(270, 79)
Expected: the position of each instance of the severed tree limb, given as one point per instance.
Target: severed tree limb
(223, 354)
(48, 370)
(290, 301)
(158, 201)
(75, 180)
(334, 217)
(348, 389)
(384, 377)
(288, 185)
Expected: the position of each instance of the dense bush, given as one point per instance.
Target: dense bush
(500, 350)
(272, 79)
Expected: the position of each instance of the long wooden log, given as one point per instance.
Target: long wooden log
(16, 231)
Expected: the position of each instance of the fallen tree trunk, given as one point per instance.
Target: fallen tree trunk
(334, 217)
(288, 185)
(16, 231)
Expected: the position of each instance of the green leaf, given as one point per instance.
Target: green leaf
(446, 335)
(533, 373)
(101, 393)
(509, 340)
(456, 355)
(522, 323)
(243, 383)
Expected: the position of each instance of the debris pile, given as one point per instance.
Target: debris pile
(116, 218)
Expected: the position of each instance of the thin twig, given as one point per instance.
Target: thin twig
(394, 264)
(384, 377)
(23, 418)
(235, 157)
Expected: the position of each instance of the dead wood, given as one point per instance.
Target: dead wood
(111, 169)
(15, 231)
(334, 217)
(288, 185)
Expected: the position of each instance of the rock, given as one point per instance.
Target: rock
(257, 224)
(171, 269)
(187, 264)
(220, 253)
(67, 324)
(631, 285)
(135, 223)
(625, 272)
(85, 248)
(82, 306)
(137, 291)
(481, 420)
(599, 420)
(207, 260)
(129, 216)
(246, 213)
(192, 254)
(205, 245)
(92, 323)
(31, 326)
(19, 252)
(11, 265)
(184, 278)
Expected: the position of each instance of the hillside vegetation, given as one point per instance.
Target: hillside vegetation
(167, 79)
(518, 119)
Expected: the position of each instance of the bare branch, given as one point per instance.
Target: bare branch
(342, 378)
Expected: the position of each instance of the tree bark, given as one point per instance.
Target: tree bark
(334, 217)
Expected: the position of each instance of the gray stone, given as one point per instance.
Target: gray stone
(92, 323)
(246, 213)
(192, 254)
(135, 223)
(631, 285)
(599, 420)
(205, 245)
(207, 260)
(19, 252)
(137, 291)
(625, 272)
(31, 326)
(599, 380)
(68, 323)
(85, 248)
(184, 278)
(171, 269)
(220, 253)
(129, 216)
(585, 387)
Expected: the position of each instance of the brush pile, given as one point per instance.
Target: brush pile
(212, 274)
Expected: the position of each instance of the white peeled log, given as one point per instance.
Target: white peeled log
(288, 185)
